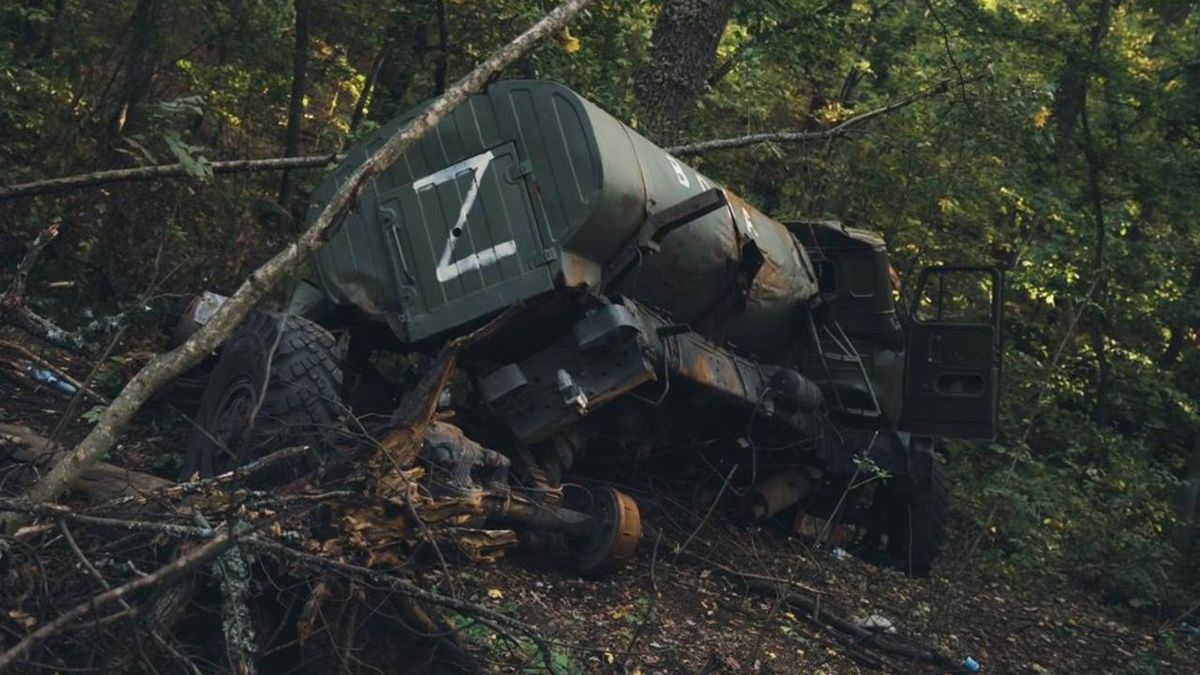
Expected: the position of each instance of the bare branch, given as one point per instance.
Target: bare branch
(839, 130)
(160, 171)
(192, 560)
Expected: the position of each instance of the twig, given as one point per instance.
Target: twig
(87, 565)
(401, 586)
(810, 136)
(160, 171)
(193, 559)
(707, 513)
(63, 513)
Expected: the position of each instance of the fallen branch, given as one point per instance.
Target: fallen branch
(841, 129)
(193, 559)
(165, 367)
(14, 310)
(101, 482)
(160, 171)
(16, 292)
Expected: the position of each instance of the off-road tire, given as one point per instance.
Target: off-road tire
(301, 402)
(917, 524)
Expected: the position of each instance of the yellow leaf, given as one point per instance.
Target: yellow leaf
(495, 594)
(22, 618)
(568, 42)
(1041, 117)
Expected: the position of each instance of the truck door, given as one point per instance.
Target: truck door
(952, 363)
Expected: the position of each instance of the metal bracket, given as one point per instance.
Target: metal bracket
(658, 226)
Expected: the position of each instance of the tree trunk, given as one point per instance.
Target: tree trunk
(360, 106)
(684, 49)
(1188, 318)
(146, 45)
(405, 50)
(1100, 298)
(291, 141)
(1189, 494)
(439, 71)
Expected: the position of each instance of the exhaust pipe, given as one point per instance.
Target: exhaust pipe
(777, 493)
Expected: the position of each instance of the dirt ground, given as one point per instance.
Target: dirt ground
(673, 612)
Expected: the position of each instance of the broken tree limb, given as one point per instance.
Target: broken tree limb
(16, 292)
(841, 129)
(160, 171)
(14, 310)
(165, 367)
(101, 482)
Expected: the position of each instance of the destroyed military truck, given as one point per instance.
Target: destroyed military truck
(649, 317)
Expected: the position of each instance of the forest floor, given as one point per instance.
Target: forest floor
(672, 613)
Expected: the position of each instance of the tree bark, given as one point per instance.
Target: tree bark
(1098, 318)
(443, 59)
(102, 482)
(165, 367)
(684, 49)
(1189, 494)
(360, 106)
(146, 45)
(405, 50)
(291, 140)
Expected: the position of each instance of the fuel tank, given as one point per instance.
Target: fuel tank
(528, 187)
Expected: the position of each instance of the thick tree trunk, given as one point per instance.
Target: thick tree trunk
(291, 141)
(684, 49)
(166, 367)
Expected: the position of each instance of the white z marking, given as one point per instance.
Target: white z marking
(447, 270)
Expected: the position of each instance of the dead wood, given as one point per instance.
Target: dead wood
(166, 367)
(842, 129)
(185, 563)
(484, 615)
(14, 310)
(101, 482)
(159, 172)
(16, 292)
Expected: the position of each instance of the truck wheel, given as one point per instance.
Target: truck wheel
(297, 373)
(917, 526)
